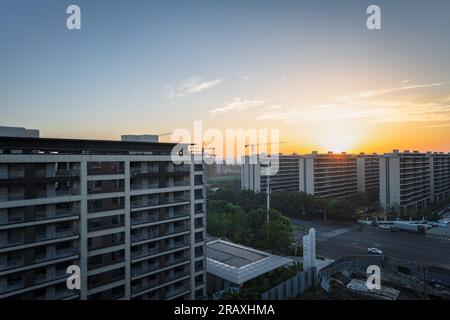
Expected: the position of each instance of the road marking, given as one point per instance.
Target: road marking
(334, 233)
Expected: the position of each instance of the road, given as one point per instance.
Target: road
(334, 241)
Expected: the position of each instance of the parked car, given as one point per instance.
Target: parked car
(385, 226)
(374, 251)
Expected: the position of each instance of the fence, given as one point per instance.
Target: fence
(292, 287)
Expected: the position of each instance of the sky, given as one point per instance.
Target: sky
(311, 69)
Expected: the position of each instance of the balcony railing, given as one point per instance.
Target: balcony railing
(136, 271)
(144, 203)
(173, 292)
(144, 285)
(139, 170)
(16, 174)
(144, 235)
(144, 186)
(144, 252)
(40, 236)
(144, 219)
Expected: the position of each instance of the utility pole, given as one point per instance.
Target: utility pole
(268, 196)
(268, 191)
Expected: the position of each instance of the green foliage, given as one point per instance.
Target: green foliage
(253, 289)
(341, 209)
(228, 220)
(293, 204)
(241, 216)
(279, 235)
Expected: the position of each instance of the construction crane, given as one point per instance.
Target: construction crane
(268, 190)
(203, 148)
(191, 144)
(261, 144)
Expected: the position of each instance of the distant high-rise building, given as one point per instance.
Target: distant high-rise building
(405, 181)
(285, 179)
(18, 132)
(440, 176)
(368, 173)
(132, 220)
(329, 175)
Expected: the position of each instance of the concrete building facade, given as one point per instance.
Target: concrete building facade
(405, 181)
(368, 167)
(440, 176)
(328, 175)
(285, 179)
(122, 211)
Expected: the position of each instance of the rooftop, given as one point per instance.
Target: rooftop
(238, 264)
(80, 146)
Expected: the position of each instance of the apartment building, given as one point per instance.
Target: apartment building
(328, 175)
(285, 179)
(440, 176)
(405, 181)
(368, 167)
(18, 132)
(132, 220)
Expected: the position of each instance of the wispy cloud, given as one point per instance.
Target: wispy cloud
(372, 93)
(436, 126)
(242, 76)
(191, 86)
(238, 104)
(370, 105)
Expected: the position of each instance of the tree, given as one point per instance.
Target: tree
(227, 220)
(341, 209)
(279, 235)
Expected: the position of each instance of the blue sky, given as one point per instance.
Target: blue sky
(153, 66)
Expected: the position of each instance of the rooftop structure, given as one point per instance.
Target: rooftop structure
(238, 264)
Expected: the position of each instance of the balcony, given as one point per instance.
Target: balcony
(12, 286)
(179, 183)
(144, 251)
(144, 170)
(11, 263)
(144, 285)
(57, 255)
(142, 218)
(144, 185)
(16, 174)
(141, 269)
(144, 235)
(39, 236)
(105, 241)
(176, 260)
(15, 196)
(20, 217)
(105, 168)
(177, 229)
(66, 173)
(56, 174)
(39, 278)
(177, 290)
(144, 203)
(106, 186)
